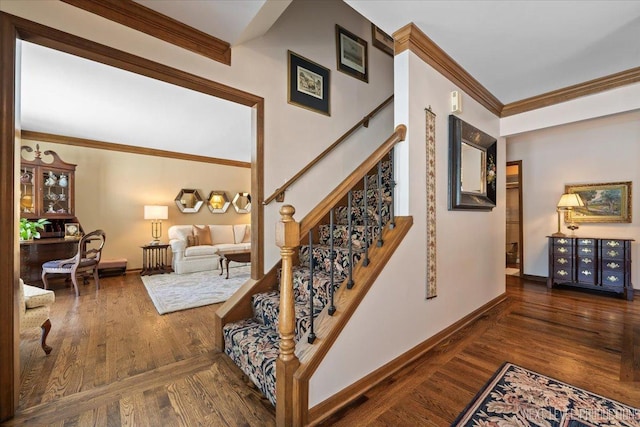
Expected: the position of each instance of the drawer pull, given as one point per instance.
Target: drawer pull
(612, 279)
(586, 273)
(613, 253)
(613, 244)
(563, 241)
(613, 265)
(586, 241)
(562, 261)
(586, 260)
(562, 273)
(562, 250)
(586, 250)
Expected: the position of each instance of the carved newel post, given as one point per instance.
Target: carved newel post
(288, 240)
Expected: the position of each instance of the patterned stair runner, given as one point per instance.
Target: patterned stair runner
(253, 344)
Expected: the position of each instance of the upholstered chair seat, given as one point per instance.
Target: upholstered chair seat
(35, 305)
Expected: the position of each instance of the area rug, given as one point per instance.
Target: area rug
(518, 397)
(174, 292)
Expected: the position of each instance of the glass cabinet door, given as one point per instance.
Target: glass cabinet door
(27, 190)
(56, 197)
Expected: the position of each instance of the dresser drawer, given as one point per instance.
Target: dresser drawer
(563, 274)
(562, 241)
(587, 275)
(612, 253)
(563, 250)
(563, 261)
(613, 278)
(586, 242)
(586, 251)
(612, 265)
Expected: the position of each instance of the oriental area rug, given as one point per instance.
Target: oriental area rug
(175, 292)
(518, 397)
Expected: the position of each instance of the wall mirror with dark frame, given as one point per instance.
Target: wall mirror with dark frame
(472, 167)
(189, 201)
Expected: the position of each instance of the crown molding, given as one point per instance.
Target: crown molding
(148, 21)
(410, 37)
(572, 92)
(100, 145)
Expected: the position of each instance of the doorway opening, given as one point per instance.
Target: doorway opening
(514, 234)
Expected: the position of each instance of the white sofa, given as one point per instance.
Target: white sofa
(188, 258)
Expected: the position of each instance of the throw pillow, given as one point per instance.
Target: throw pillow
(192, 241)
(202, 234)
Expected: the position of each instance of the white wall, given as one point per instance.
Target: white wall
(293, 136)
(470, 245)
(599, 150)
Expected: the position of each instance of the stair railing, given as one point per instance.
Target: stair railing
(278, 195)
(288, 238)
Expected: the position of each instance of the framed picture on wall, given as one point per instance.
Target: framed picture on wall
(309, 84)
(608, 202)
(351, 54)
(381, 40)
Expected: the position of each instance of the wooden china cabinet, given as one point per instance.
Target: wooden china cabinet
(47, 190)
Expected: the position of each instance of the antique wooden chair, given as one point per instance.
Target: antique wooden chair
(85, 261)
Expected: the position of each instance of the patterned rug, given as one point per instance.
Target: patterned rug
(174, 292)
(518, 397)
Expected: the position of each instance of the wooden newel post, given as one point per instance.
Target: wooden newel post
(288, 240)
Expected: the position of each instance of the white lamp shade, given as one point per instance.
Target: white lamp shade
(570, 200)
(156, 212)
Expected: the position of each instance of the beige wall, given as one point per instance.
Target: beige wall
(112, 187)
(593, 151)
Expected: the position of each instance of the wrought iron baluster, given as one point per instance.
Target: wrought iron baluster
(392, 221)
(350, 227)
(332, 257)
(365, 218)
(312, 335)
(380, 194)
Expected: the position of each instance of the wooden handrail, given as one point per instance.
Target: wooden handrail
(279, 193)
(314, 217)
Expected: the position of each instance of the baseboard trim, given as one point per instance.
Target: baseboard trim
(345, 397)
(534, 278)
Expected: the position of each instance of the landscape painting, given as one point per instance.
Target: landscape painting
(609, 202)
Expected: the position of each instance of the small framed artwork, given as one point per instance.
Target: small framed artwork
(308, 84)
(352, 55)
(71, 230)
(381, 40)
(607, 202)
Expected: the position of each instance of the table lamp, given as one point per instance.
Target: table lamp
(567, 202)
(156, 214)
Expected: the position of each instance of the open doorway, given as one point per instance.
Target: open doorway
(15, 29)
(514, 234)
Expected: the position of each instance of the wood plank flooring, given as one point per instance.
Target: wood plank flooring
(584, 339)
(117, 362)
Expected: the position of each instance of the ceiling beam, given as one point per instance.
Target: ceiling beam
(148, 21)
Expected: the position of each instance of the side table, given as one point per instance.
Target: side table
(154, 259)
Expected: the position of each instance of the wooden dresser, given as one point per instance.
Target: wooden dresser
(591, 263)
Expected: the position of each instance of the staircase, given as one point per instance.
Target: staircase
(345, 236)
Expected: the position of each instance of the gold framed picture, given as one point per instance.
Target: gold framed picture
(606, 202)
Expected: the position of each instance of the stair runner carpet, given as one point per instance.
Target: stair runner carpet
(253, 343)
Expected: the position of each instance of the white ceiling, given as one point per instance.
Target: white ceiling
(519, 49)
(516, 49)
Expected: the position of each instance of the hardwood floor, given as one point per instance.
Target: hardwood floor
(117, 362)
(590, 341)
